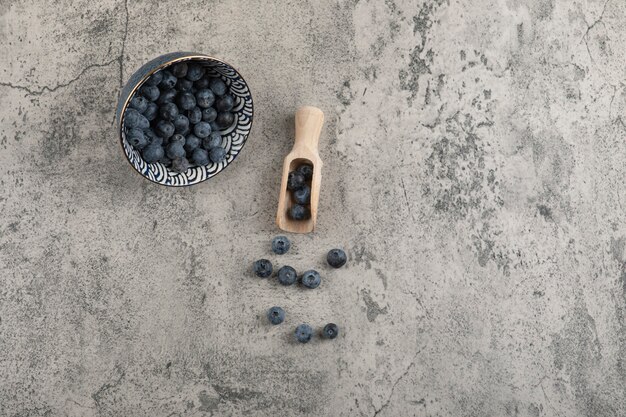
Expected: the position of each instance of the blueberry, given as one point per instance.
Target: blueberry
(169, 80)
(180, 165)
(306, 170)
(330, 331)
(151, 92)
(178, 138)
(299, 212)
(131, 118)
(184, 85)
(195, 72)
(202, 130)
(262, 268)
(209, 115)
(217, 86)
(225, 119)
(217, 154)
(302, 195)
(192, 142)
(276, 315)
(153, 138)
(167, 96)
(186, 101)
(168, 111)
(304, 332)
(155, 79)
(181, 123)
(201, 83)
(175, 150)
(151, 111)
(336, 258)
(280, 245)
(287, 275)
(152, 153)
(311, 279)
(164, 129)
(194, 115)
(214, 126)
(136, 138)
(166, 161)
(200, 157)
(295, 181)
(205, 98)
(138, 103)
(179, 69)
(214, 140)
(225, 103)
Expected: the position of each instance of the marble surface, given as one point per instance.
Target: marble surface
(474, 171)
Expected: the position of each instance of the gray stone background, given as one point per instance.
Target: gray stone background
(474, 163)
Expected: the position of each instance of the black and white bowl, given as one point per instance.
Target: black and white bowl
(233, 137)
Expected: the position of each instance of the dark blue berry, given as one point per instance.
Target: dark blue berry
(192, 142)
(302, 195)
(295, 181)
(138, 103)
(214, 126)
(205, 98)
(184, 85)
(168, 111)
(311, 279)
(186, 101)
(214, 140)
(169, 80)
(201, 83)
(132, 119)
(151, 111)
(195, 72)
(136, 138)
(304, 332)
(330, 331)
(167, 96)
(153, 138)
(225, 103)
(209, 115)
(152, 153)
(180, 165)
(307, 171)
(194, 115)
(217, 86)
(287, 275)
(179, 69)
(200, 157)
(299, 212)
(202, 130)
(164, 129)
(166, 161)
(181, 123)
(280, 245)
(225, 119)
(175, 150)
(262, 268)
(276, 315)
(217, 154)
(178, 138)
(155, 79)
(151, 92)
(336, 258)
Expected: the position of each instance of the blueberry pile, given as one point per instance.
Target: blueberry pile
(299, 183)
(287, 275)
(175, 117)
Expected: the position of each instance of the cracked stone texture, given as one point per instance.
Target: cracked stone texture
(474, 163)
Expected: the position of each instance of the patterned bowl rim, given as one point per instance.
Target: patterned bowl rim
(189, 57)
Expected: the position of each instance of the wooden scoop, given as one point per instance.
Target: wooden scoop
(309, 121)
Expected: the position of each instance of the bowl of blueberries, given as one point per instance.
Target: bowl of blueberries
(183, 118)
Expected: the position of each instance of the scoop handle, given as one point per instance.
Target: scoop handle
(309, 121)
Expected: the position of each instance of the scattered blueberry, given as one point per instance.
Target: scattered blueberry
(307, 171)
(280, 245)
(263, 268)
(202, 130)
(164, 129)
(336, 258)
(330, 331)
(138, 103)
(184, 85)
(287, 275)
(186, 101)
(276, 315)
(209, 115)
(200, 157)
(205, 98)
(304, 332)
(302, 195)
(152, 153)
(217, 154)
(180, 164)
(225, 119)
(151, 92)
(194, 72)
(295, 181)
(192, 142)
(181, 123)
(167, 96)
(299, 212)
(179, 69)
(175, 150)
(217, 86)
(151, 111)
(169, 80)
(136, 138)
(311, 279)
(225, 103)
(194, 115)
(214, 140)
(155, 79)
(168, 111)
